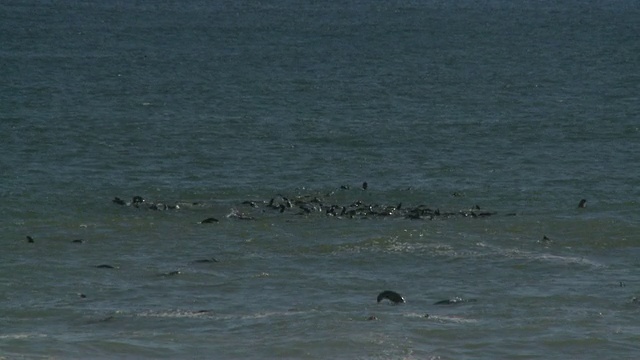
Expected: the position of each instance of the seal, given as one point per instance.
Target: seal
(582, 204)
(391, 296)
(105, 266)
(545, 239)
(171, 273)
(454, 301)
(209, 220)
(250, 203)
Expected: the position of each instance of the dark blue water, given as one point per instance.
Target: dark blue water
(520, 109)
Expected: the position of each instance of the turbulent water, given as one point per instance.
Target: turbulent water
(477, 126)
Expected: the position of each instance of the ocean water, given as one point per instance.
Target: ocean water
(496, 116)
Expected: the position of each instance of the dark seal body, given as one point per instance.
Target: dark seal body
(210, 220)
(454, 301)
(391, 295)
(105, 266)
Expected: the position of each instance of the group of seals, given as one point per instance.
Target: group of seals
(315, 204)
(310, 204)
(139, 202)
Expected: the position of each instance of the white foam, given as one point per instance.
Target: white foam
(211, 314)
(20, 336)
(525, 254)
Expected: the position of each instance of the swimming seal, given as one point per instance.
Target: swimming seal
(250, 203)
(209, 220)
(454, 301)
(545, 239)
(582, 204)
(105, 266)
(391, 295)
(171, 273)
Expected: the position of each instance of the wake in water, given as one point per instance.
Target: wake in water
(514, 253)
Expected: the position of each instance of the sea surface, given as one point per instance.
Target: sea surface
(478, 126)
